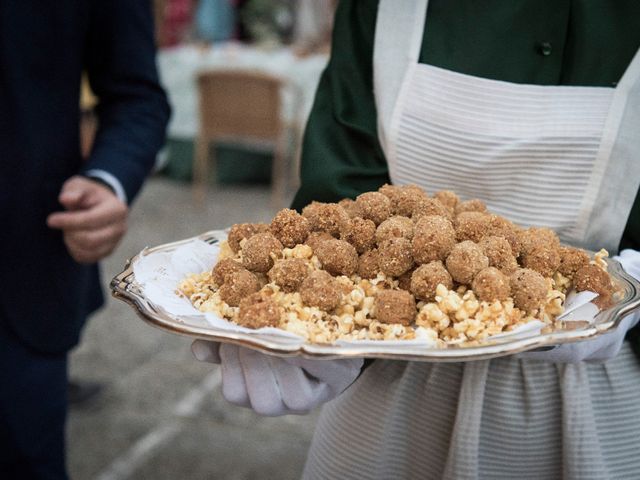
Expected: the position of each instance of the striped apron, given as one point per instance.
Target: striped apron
(559, 156)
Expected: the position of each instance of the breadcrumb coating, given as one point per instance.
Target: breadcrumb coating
(571, 260)
(403, 198)
(368, 266)
(375, 206)
(321, 290)
(316, 238)
(351, 207)
(395, 256)
(338, 257)
(394, 227)
(465, 261)
(473, 205)
(594, 279)
(258, 311)
(490, 284)
(326, 217)
(498, 251)
(544, 259)
(290, 227)
(426, 278)
(528, 289)
(395, 306)
(223, 268)
(433, 239)
(237, 285)
(361, 234)
(471, 226)
(448, 198)
(289, 273)
(430, 206)
(241, 231)
(259, 251)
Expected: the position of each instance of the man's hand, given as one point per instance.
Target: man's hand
(94, 222)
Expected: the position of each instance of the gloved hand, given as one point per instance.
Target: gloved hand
(603, 347)
(275, 386)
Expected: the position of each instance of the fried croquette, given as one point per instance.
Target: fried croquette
(361, 234)
(473, 205)
(448, 198)
(433, 239)
(257, 311)
(316, 238)
(572, 260)
(501, 227)
(223, 268)
(395, 306)
(368, 266)
(465, 261)
(395, 256)
(326, 217)
(403, 198)
(351, 207)
(471, 226)
(427, 277)
(290, 227)
(321, 290)
(544, 259)
(375, 206)
(338, 257)
(498, 251)
(430, 206)
(394, 227)
(289, 273)
(534, 236)
(259, 250)
(404, 280)
(594, 279)
(490, 285)
(237, 285)
(528, 289)
(240, 231)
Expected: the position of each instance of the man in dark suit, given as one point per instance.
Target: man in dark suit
(58, 214)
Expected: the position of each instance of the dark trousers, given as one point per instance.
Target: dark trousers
(33, 408)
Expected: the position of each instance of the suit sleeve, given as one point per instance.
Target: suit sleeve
(341, 155)
(132, 111)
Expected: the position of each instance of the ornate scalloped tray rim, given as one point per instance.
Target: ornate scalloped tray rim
(125, 288)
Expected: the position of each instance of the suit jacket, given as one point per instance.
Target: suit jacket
(44, 47)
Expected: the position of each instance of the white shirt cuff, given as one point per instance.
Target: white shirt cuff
(110, 180)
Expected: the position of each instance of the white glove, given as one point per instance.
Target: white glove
(275, 386)
(603, 347)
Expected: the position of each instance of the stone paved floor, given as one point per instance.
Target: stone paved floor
(161, 414)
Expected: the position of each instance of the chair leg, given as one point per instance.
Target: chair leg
(200, 171)
(279, 173)
(296, 152)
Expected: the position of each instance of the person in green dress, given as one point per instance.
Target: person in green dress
(533, 106)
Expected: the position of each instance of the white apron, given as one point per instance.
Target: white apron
(558, 156)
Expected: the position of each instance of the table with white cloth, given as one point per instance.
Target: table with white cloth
(180, 66)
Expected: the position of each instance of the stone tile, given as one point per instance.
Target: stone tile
(218, 451)
(147, 371)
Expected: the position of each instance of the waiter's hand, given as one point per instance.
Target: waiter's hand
(94, 221)
(274, 386)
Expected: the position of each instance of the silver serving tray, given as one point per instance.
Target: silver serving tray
(125, 288)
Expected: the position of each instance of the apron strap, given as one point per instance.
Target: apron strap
(616, 178)
(398, 37)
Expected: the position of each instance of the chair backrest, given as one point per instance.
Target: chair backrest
(239, 104)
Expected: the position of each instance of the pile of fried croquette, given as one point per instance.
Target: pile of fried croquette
(403, 233)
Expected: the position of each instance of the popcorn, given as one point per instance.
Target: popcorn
(454, 317)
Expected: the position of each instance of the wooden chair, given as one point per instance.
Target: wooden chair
(241, 107)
